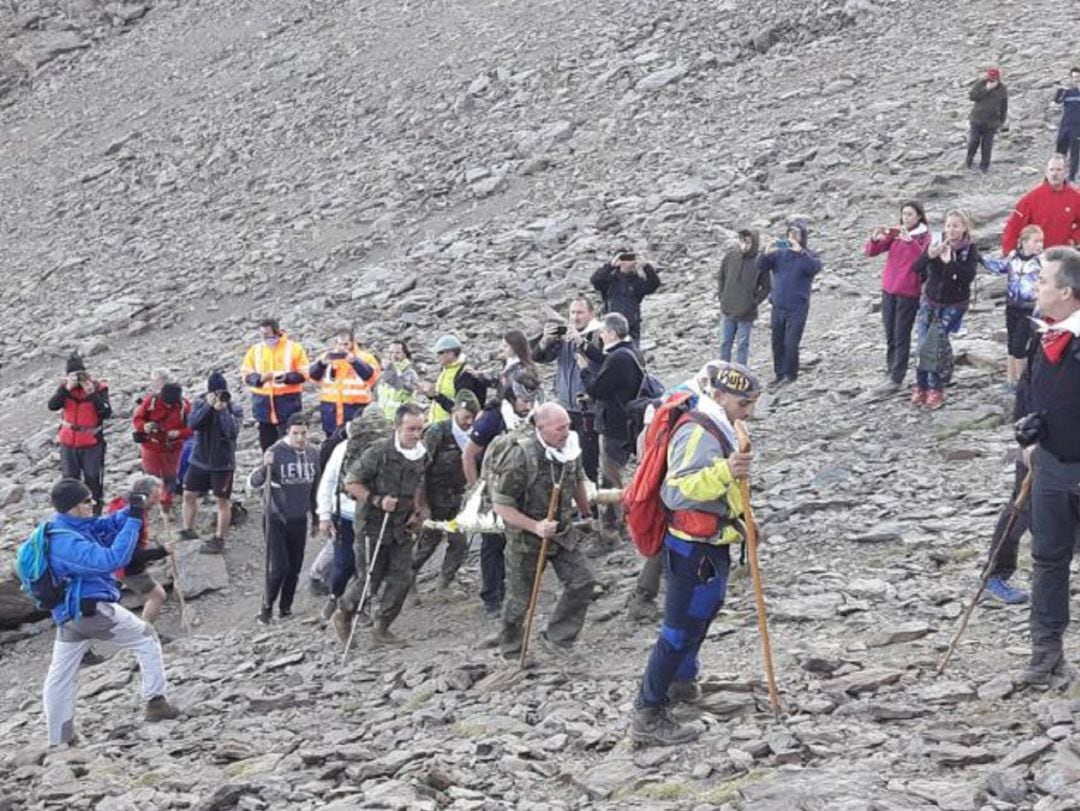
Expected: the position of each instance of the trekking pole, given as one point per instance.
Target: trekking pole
(541, 562)
(367, 585)
(755, 573)
(185, 619)
(1017, 506)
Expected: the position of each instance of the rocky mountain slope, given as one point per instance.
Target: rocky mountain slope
(172, 175)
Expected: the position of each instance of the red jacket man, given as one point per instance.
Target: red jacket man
(83, 404)
(161, 427)
(1053, 205)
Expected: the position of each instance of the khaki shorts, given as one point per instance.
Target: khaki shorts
(141, 583)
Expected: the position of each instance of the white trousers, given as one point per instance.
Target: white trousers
(112, 623)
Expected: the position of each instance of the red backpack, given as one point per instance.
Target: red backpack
(644, 510)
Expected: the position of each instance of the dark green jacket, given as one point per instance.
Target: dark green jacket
(385, 472)
(991, 107)
(444, 480)
(510, 486)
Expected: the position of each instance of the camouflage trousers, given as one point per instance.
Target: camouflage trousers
(573, 570)
(428, 542)
(391, 570)
(111, 623)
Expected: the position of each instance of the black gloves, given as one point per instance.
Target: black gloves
(136, 506)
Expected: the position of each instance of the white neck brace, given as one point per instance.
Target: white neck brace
(414, 454)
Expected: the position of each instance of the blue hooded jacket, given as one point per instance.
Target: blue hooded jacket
(85, 552)
(792, 273)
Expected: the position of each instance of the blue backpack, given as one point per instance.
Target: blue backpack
(34, 572)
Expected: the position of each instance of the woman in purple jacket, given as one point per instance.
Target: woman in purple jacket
(900, 286)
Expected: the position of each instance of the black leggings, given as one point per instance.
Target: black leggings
(284, 560)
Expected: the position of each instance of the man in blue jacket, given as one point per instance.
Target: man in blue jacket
(83, 552)
(216, 420)
(793, 269)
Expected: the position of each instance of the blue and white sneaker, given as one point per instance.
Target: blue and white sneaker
(1000, 590)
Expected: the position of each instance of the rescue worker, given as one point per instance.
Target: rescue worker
(274, 370)
(453, 377)
(522, 480)
(399, 382)
(84, 405)
(387, 484)
(348, 375)
(444, 483)
(701, 493)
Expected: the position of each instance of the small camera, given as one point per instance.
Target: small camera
(224, 396)
(140, 436)
(561, 329)
(1029, 429)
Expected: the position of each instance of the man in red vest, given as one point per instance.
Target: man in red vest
(83, 404)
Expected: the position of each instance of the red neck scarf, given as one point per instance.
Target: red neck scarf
(1055, 342)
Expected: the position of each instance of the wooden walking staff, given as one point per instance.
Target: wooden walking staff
(755, 573)
(178, 589)
(541, 562)
(1018, 505)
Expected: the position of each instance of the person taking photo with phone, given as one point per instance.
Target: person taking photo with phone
(348, 376)
(84, 405)
(623, 282)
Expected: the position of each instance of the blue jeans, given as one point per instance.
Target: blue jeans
(344, 560)
(1055, 519)
(696, 575)
(787, 329)
(734, 331)
(951, 315)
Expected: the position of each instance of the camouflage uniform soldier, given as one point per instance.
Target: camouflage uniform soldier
(520, 491)
(387, 479)
(444, 484)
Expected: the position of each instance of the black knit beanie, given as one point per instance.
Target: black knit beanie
(68, 493)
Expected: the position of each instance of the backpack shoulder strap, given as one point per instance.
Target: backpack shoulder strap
(711, 427)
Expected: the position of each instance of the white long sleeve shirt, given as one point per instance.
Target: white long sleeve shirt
(326, 498)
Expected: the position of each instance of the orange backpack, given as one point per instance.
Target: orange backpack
(644, 510)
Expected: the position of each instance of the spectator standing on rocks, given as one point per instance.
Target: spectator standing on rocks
(742, 286)
(1053, 205)
(289, 471)
(399, 382)
(161, 428)
(348, 376)
(444, 483)
(517, 358)
(507, 414)
(134, 575)
(988, 115)
(453, 377)
(215, 419)
(274, 371)
(85, 551)
(561, 343)
(701, 493)
(948, 268)
(900, 285)
(617, 382)
(84, 405)
(1068, 137)
(623, 282)
(793, 269)
(387, 483)
(1022, 268)
(521, 489)
(1054, 381)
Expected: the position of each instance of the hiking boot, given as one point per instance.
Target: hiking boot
(213, 546)
(654, 726)
(265, 613)
(642, 608)
(328, 610)
(918, 395)
(343, 622)
(317, 587)
(1043, 664)
(284, 613)
(886, 386)
(688, 692)
(558, 649)
(935, 399)
(188, 535)
(413, 596)
(382, 635)
(159, 709)
(493, 609)
(490, 641)
(1000, 590)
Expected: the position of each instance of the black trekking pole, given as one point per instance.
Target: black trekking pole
(1018, 505)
